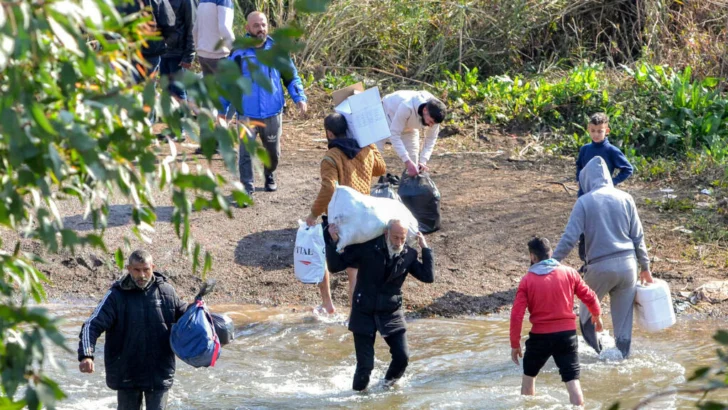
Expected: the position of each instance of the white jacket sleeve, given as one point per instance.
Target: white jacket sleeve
(398, 125)
(429, 143)
(225, 17)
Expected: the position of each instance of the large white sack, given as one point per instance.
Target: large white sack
(361, 218)
(309, 254)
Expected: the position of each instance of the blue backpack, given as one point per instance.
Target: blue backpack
(193, 337)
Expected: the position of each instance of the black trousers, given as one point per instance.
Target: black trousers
(364, 346)
(132, 399)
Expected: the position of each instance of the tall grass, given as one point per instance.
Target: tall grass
(421, 38)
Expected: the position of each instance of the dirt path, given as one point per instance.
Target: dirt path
(491, 207)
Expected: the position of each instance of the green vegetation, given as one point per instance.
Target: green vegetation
(74, 128)
(654, 111)
(420, 39)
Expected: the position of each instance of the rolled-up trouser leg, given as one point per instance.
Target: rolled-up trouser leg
(622, 304)
(364, 347)
(400, 355)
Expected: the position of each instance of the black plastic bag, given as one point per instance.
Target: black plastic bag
(421, 196)
(224, 328)
(386, 187)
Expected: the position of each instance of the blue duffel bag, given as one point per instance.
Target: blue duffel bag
(193, 337)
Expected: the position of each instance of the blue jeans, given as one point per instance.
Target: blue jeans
(170, 66)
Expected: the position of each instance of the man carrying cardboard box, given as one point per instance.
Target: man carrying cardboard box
(407, 112)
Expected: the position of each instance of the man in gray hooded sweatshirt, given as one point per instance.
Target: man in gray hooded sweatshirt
(615, 246)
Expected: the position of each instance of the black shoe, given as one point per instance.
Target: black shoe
(270, 183)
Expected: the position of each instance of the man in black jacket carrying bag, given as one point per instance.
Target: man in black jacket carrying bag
(137, 314)
(383, 263)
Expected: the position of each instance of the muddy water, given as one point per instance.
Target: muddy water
(285, 360)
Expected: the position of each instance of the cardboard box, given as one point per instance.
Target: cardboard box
(363, 112)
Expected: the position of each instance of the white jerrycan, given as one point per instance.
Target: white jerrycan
(653, 306)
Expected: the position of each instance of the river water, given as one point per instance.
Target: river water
(284, 359)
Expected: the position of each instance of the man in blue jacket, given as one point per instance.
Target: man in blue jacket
(262, 107)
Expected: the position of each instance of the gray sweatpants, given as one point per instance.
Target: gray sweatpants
(618, 277)
(270, 137)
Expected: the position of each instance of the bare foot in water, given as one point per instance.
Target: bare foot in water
(329, 307)
(325, 308)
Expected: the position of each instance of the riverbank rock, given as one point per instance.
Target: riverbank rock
(713, 292)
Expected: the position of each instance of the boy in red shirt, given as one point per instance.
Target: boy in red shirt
(548, 291)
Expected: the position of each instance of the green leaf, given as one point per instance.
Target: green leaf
(242, 198)
(614, 406)
(208, 264)
(312, 6)
(40, 118)
(119, 257)
(721, 337)
(196, 259)
(712, 405)
(699, 373)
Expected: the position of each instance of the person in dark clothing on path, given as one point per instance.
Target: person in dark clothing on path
(180, 48)
(383, 263)
(163, 21)
(137, 314)
(598, 129)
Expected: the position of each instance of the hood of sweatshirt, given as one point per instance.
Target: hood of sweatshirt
(348, 146)
(595, 175)
(544, 267)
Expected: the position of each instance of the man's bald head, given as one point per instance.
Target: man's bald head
(257, 25)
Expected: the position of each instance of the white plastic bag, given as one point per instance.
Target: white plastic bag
(309, 254)
(361, 218)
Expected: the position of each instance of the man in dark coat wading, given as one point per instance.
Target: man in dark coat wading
(137, 314)
(383, 263)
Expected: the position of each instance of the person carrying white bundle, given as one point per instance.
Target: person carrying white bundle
(361, 218)
(345, 163)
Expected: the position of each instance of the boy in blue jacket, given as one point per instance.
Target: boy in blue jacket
(263, 107)
(598, 129)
